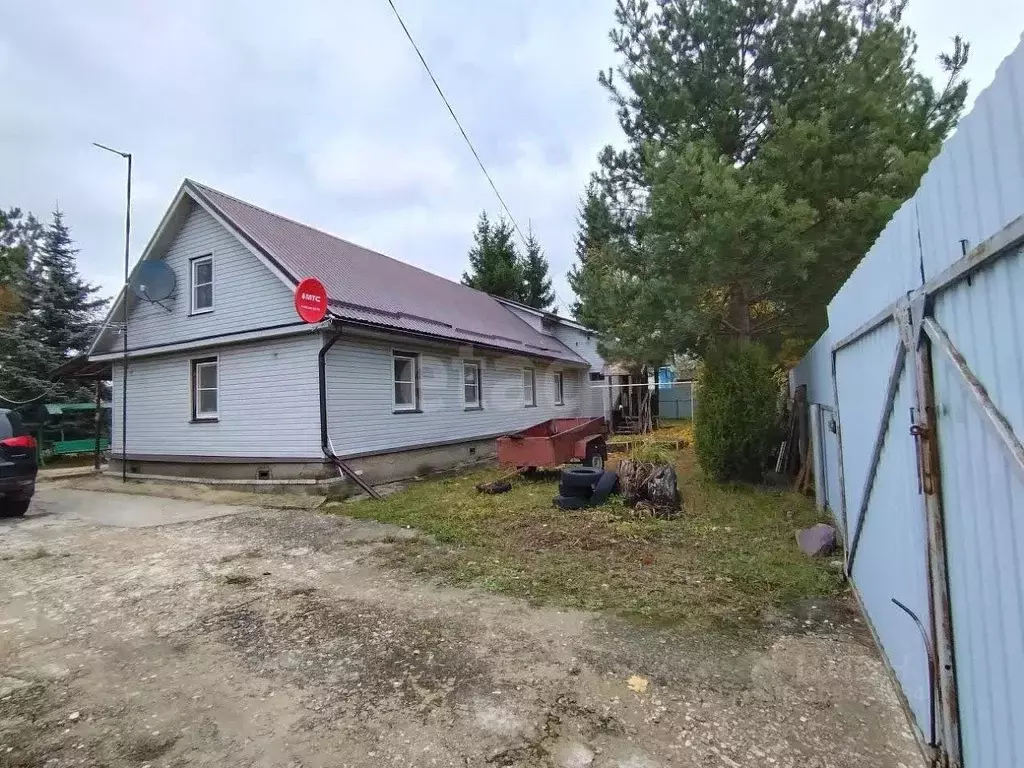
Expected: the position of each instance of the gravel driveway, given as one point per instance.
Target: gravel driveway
(152, 632)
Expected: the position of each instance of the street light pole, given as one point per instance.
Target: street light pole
(124, 311)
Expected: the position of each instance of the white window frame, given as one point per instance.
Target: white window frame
(532, 401)
(414, 407)
(559, 387)
(194, 365)
(479, 404)
(193, 263)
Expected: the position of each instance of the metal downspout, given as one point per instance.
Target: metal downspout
(325, 441)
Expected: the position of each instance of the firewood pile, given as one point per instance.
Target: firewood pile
(652, 489)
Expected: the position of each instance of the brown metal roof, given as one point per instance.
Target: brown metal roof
(364, 286)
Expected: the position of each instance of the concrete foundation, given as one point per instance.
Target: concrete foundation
(222, 470)
(420, 462)
(314, 476)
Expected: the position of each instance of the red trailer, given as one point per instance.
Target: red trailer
(555, 442)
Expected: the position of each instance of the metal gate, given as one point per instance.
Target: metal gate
(930, 397)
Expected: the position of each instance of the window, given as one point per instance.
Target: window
(204, 389)
(529, 387)
(202, 283)
(405, 374)
(471, 386)
(596, 376)
(559, 388)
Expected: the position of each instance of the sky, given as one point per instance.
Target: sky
(320, 111)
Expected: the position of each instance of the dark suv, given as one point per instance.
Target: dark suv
(18, 465)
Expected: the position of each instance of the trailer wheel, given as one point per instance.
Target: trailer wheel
(596, 457)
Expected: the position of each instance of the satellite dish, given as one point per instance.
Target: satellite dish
(153, 281)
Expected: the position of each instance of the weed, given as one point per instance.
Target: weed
(37, 554)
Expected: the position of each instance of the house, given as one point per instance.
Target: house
(407, 372)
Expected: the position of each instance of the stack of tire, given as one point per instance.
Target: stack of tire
(581, 487)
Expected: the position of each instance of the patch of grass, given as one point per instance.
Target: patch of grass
(648, 452)
(730, 556)
(668, 431)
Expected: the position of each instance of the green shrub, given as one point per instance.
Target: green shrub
(735, 426)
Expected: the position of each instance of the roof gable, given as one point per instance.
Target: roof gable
(247, 296)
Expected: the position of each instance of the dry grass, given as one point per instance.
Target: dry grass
(670, 430)
(730, 557)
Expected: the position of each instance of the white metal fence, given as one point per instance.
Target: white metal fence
(925, 360)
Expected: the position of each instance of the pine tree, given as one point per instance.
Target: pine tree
(767, 143)
(494, 264)
(537, 290)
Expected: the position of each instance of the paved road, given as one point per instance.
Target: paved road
(137, 631)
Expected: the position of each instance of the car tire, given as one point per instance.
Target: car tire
(569, 502)
(14, 508)
(581, 476)
(578, 481)
(581, 491)
(605, 487)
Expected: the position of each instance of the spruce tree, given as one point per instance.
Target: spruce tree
(595, 230)
(494, 264)
(25, 362)
(537, 291)
(67, 304)
(56, 314)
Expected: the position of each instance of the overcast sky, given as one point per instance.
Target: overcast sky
(319, 110)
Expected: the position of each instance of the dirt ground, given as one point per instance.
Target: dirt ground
(256, 637)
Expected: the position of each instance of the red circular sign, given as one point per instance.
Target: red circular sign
(311, 300)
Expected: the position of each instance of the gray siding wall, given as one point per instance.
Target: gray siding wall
(359, 398)
(596, 398)
(268, 403)
(246, 294)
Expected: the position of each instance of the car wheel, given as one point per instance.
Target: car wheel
(14, 508)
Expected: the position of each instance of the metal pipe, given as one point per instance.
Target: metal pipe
(98, 424)
(932, 665)
(124, 373)
(839, 444)
(124, 310)
(996, 420)
(939, 602)
(325, 439)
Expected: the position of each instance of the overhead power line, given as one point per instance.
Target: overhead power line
(462, 130)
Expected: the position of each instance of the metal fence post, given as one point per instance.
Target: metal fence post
(938, 574)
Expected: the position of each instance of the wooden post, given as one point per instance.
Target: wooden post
(96, 461)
